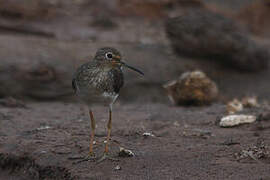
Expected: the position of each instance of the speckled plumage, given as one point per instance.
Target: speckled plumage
(97, 81)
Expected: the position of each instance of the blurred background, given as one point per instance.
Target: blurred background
(193, 52)
(42, 42)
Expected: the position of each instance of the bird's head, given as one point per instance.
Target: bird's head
(111, 57)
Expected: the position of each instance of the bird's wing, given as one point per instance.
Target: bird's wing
(74, 85)
(117, 79)
(83, 76)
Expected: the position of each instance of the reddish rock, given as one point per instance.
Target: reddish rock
(192, 88)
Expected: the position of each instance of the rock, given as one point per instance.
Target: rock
(258, 151)
(234, 106)
(201, 133)
(250, 102)
(192, 88)
(205, 34)
(234, 120)
(4, 116)
(45, 72)
(264, 116)
(229, 142)
(125, 153)
(12, 102)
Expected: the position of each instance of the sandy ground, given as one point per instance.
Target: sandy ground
(46, 140)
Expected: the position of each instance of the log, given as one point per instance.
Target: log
(209, 35)
(41, 68)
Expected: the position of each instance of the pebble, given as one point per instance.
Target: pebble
(234, 120)
(234, 106)
(125, 152)
(117, 168)
(250, 102)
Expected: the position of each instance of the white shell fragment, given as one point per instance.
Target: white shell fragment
(125, 152)
(43, 128)
(148, 134)
(117, 167)
(234, 120)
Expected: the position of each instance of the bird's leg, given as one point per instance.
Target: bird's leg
(91, 154)
(106, 151)
(109, 126)
(93, 127)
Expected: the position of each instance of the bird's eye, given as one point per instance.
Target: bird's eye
(109, 55)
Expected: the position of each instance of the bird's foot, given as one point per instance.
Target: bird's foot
(90, 157)
(106, 156)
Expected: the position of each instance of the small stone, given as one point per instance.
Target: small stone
(125, 152)
(117, 168)
(264, 116)
(234, 120)
(258, 151)
(234, 106)
(229, 142)
(80, 120)
(250, 102)
(192, 88)
(146, 134)
(176, 123)
(12, 102)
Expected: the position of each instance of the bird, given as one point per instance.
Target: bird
(99, 82)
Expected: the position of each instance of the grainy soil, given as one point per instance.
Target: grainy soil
(47, 140)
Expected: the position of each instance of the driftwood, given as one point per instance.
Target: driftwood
(202, 33)
(35, 68)
(42, 68)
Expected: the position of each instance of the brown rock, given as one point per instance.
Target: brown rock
(250, 102)
(192, 88)
(256, 17)
(234, 106)
(205, 34)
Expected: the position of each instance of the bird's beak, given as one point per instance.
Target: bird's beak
(117, 60)
(132, 68)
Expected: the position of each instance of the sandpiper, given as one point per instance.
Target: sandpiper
(99, 81)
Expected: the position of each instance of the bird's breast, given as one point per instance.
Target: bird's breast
(102, 87)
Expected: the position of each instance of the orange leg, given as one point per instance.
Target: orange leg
(93, 126)
(106, 152)
(109, 126)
